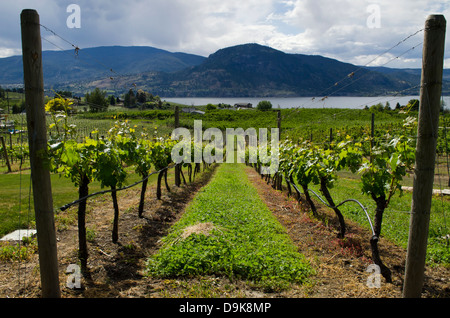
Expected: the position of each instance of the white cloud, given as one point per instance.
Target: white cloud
(333, 28)
(6, 52)
(340, 29)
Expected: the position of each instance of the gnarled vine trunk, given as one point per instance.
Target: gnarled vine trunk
(381, 206)
(327, 195)
(158, 185)
(299, 197)
(196, 169)
(142, 200)
(308, 199)
(190, 172)
(115, 232)
(165, 180)
(83, 191)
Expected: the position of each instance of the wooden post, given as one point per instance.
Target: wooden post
(5, 153)
(279, 122)
(11, 145)
(373, 125)
(427, 132)
(177, 167)
(446, 150)
(37, 140)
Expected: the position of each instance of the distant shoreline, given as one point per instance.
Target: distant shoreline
(302, 102)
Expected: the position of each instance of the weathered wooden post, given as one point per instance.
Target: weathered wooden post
(279, 122)
(37, 140)
(5, 153)
(427, 132)
(177, 167)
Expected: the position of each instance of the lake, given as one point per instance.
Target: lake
(305, 102)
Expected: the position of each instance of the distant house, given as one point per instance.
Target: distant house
(192, 111)
(243, 105)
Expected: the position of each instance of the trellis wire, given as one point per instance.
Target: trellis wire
(351, 75)
(76, 52)
(65, 207)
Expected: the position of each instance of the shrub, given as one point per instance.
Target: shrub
(264, 105)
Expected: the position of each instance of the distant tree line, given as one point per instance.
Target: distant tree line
(143, 100)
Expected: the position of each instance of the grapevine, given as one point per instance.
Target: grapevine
(102, 159)
(381, 169)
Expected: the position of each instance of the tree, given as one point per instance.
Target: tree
(211, 107)
(413, 104)
(97, 100)
(112, 100)
(377, 108)
(264, 105)
(141, 97)
(18, 108)
(129, 99)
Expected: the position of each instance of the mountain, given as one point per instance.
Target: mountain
(412, 73)
(253, 70)
(94, 63)
(248, 70)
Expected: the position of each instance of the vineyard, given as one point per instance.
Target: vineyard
(324, 212)
(347, 163)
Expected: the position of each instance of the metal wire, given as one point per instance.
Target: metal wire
(338, 205)
(65, 207)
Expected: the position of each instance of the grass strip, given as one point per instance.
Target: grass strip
(227, 230)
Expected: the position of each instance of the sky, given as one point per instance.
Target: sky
(361, 32)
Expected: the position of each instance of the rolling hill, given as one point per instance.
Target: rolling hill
(248, 70)
(252, 70)
(61, 67)
(255, 70)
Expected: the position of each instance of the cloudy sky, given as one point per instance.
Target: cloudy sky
(355, 31)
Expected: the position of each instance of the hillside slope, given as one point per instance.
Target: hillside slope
(94, 63)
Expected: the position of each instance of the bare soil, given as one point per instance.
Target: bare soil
(118, 270)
